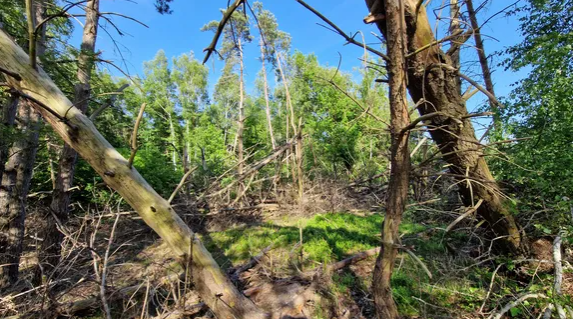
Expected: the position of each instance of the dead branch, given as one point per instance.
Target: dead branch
(181, 183)
(124, 16)
(102, 108)
(134, 136)
(429, 45)
(348, 38)
(470, 211)
(514, 303)
(251, 263)
(61, 14)
(104, 270)
(226, 16)
(15, 75)
(558, 278)
(256, 167)
(353, 259)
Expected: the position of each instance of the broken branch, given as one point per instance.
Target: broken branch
(134, 136)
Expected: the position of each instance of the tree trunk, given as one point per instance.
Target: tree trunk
(80, 133)
(15, 182)
(49, 255)
(456, 28)
(297, 161)
(241, 119)
(266, 92)
(14, 191)
(432, 85)
(400, 162)
(8, 117)
(481, 52)
(173, 141)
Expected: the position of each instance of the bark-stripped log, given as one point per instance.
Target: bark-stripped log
(80, 133)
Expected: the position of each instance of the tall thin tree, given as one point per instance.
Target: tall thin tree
(19, 168)
(59, 207)
(236, 34)
(433, 87)
(400, 160)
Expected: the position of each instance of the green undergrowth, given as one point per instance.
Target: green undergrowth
(334, 236)
(326, 238)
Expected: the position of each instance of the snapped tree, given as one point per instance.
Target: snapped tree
(78, 131)
(432, 83)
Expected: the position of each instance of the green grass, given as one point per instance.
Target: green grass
(334, 236)
(326, 238)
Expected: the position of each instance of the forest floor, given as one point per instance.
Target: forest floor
(438, 274)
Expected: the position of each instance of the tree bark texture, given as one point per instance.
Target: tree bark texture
(79, 132)
(432, 85)
(266, 92)
(400, 162)
(14, 191)
(481, 51)
(241, 119)
(7, 122)
(50, 253)
(15, 182)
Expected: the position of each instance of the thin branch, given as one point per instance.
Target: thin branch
(429, 45)
(470, 211)
(104, 270)
(124, 16)
(15, 75)
(514, 303)
(61, 14)
(111, 102)
(226, 16)
(348, 38)
(364, 109)
(43, 106)
(492, 98)
(181, 183)
(256, 167)
(134, 135)
(418, 260)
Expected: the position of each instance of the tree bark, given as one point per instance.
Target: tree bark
(400, 161)
(266, 92)
(456, 27)
(241, 119)
(8, 117)
(432, 85)
(14, 191)
(297, 161)
(15, 182)
(481, 52)
(49, 255)
(80, 133)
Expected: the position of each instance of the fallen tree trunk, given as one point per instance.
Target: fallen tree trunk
(432, 83)
(78, 131)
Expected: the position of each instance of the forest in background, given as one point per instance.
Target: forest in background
(310, 193)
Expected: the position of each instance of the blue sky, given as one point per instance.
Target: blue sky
(180, 33)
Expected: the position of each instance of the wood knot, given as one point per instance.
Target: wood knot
(109, 173)
(153, 209)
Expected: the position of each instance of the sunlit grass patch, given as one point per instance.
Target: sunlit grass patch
(326, 238)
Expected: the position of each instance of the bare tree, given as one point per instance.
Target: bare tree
(400, 161)
(78, 131)
(432, 83)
